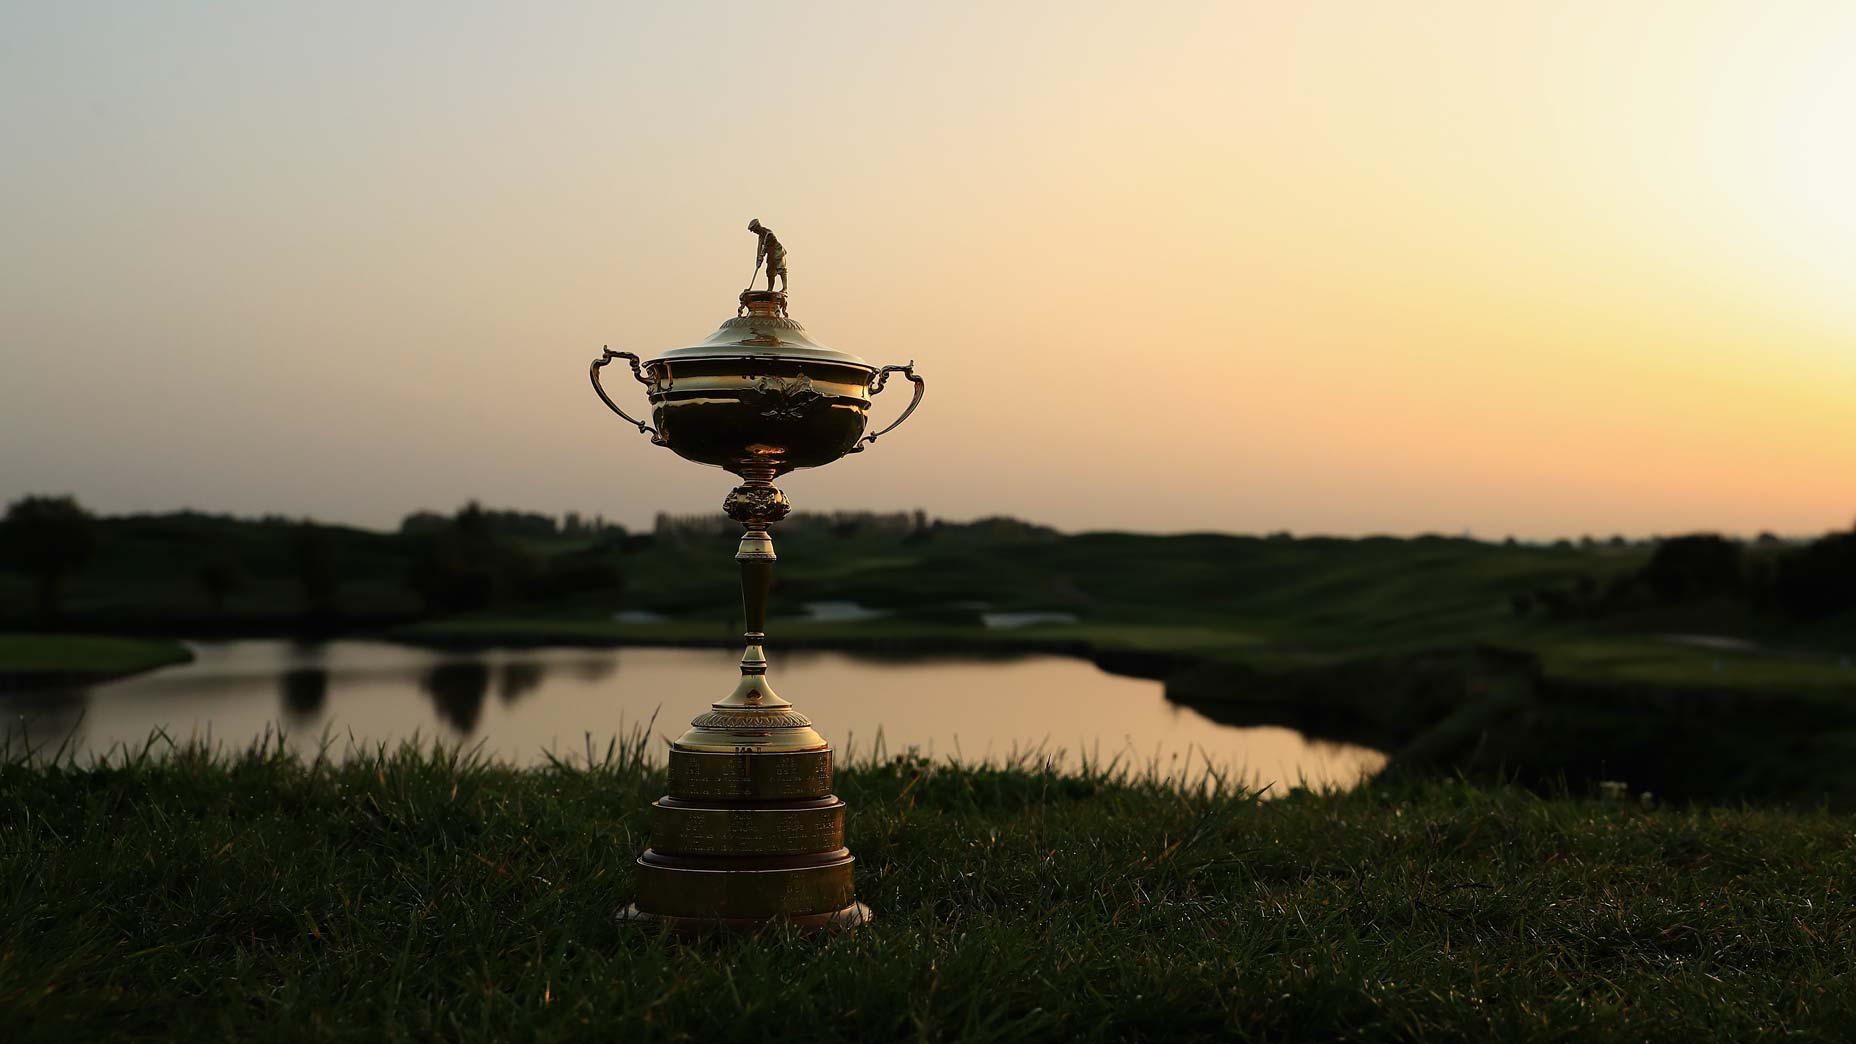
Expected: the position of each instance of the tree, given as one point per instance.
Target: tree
(1818, 579)
(314, 559)
(468, 564)
(218, 578)
(423, 522)
(1697, 566)
(49, 538)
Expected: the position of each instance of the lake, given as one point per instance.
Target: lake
(518, 703)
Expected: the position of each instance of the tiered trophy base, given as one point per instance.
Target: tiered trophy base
(746, 839)
(852, 916)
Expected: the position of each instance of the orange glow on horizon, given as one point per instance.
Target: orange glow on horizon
(1530, 268)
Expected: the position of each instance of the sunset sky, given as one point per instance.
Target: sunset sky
(1534, 269)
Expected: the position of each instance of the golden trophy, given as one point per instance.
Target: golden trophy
(750, 831)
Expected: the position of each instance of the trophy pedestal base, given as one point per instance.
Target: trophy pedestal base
(746, 839)
(855, 915)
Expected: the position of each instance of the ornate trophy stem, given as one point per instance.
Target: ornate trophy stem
(756, 557)
(750, 831)
(756, 504)
(753, 717)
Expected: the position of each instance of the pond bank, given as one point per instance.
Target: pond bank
(1484, 711)
(1496, 713)
(30, 662)
(1133, 663)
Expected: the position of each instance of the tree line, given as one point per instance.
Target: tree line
(472, 559)
(1802, 582)
(477, 558)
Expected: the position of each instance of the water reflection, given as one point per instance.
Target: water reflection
(305, 691)
(42, 718)
(457, 690)
(593, 668)
(551, 699)
(518, 678)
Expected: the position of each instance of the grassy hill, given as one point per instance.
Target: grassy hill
(1312, 598)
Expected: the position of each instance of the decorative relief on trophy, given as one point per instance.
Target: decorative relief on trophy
(788, 398)
(750, 831)
(756, 504)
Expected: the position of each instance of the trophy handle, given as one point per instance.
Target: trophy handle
(876, 388)
(606, 356)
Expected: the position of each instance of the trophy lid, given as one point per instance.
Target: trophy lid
(761, 330)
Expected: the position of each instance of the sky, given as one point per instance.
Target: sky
(1531, 269)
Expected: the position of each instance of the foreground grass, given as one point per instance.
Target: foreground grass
(89, 654)
(415, 895)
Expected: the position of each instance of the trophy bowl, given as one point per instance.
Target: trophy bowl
(759, 397)
(750, 832)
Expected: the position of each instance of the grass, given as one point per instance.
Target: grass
(1669, 663)
(87, 654)
(419, 894)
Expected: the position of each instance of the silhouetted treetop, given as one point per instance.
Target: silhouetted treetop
(1685, 568)
(49, 538)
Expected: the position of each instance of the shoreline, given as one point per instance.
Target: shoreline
(1131, 663)
(1480, 710)
(31, 662)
